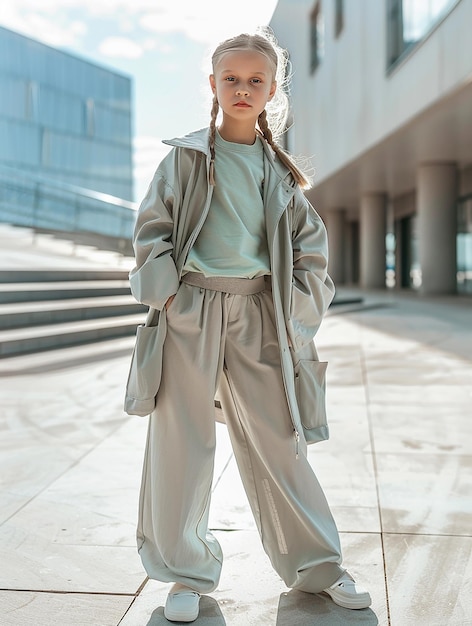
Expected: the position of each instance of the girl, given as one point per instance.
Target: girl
(234, 258)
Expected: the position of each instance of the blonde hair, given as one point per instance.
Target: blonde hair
(272, 121)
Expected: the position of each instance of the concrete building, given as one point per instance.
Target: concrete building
(382, 103)
(65, 141)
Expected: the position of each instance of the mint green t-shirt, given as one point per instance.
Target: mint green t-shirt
(233, 240)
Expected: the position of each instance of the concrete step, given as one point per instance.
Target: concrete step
(67, 356)
(53, 336)
(27, 314)
(24, 247)
(35, 292)
(54, 275)
(57, 293)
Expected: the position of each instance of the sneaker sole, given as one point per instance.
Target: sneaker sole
(180, 617)
(360, 602)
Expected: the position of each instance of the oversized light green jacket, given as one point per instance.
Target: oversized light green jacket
(167, 225)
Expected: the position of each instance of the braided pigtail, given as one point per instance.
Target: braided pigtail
(298, 175)
(214, 114)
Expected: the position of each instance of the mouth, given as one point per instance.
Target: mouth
(243, 105)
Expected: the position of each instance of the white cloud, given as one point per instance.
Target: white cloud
(205, 21)
(210, 8)
(120, 47)
(54, 30)
(112, 7)
(154, 43)
(129, 30)
(150, 44)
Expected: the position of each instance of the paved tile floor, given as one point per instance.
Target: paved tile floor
(396, 472)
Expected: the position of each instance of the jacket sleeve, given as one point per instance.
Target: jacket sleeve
(312, 288)
(154, 278)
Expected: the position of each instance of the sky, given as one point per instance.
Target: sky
(164, 45)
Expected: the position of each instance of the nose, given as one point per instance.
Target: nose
(242, 92)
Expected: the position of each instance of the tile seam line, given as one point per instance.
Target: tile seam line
(64, 472)
(438, 535)
(346, 532)
(134, 598)
(363, 366)
(62, 592)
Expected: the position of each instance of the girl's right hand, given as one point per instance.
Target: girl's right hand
(169, 301)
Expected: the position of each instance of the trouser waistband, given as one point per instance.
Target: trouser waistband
(234, 286)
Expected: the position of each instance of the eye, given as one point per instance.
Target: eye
(230, 79)
(257, 80)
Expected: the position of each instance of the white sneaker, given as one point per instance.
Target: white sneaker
(348, 594)
(182, 606)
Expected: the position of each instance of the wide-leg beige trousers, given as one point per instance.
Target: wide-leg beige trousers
(212, 334)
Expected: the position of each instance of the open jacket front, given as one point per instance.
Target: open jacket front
(170, 218)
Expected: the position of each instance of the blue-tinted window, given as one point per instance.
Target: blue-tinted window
(112, 124)
(83, 155)
(64, 118)
(20, 143)
(419, 16)
(13, 100)
(60, 110)
(409, 21)
(338, 17)
(65, 134)
(316, 37)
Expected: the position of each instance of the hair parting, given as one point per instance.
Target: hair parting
(273, 120)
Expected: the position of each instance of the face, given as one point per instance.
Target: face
(243, 82)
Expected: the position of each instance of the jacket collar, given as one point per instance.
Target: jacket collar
(198, 140)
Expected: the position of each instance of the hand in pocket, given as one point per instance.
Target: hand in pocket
(169, 301)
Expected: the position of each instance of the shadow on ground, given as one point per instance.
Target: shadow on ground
(302, 609)
(210, 615)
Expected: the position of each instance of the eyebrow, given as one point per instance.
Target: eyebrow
(233, 72)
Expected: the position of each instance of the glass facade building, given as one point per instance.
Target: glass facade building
(65, 140)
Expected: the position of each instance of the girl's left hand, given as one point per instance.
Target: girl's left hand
(169, 301)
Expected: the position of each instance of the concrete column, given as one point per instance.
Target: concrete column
(373, 224)
(400, 254)
(336, 227)
(349, 255)
(437, 226)
(352, 253)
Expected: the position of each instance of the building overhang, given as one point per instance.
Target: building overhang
(440, 133)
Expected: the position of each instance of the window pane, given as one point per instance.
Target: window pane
(13, 97)
(20, 143)
(339, 17)
(420, 15)
(317, 37)
(409, 21)
(61, 111)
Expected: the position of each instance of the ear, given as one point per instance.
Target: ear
(272, 91)
(212, 83)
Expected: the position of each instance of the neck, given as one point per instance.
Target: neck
(238, 133)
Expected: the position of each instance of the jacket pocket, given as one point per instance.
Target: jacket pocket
(310, 387)
(145, 370)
